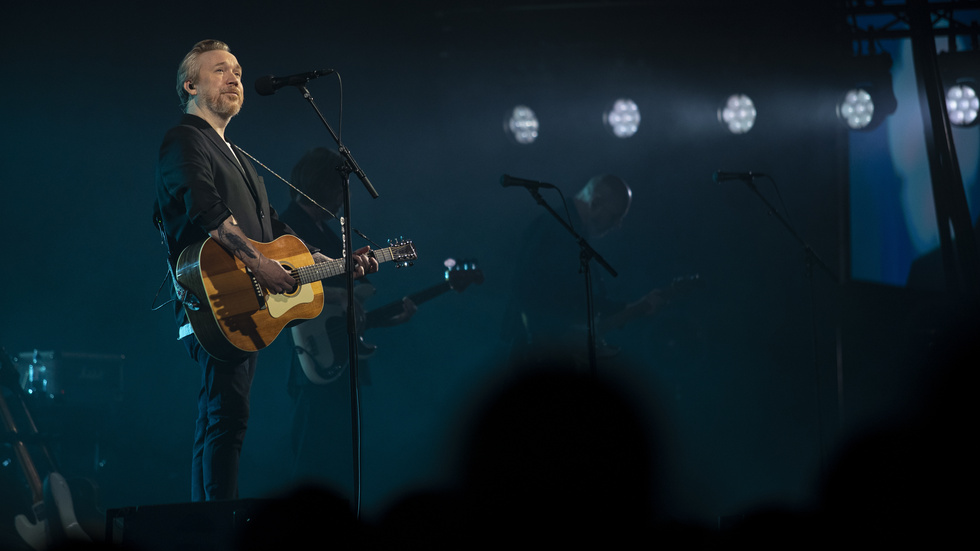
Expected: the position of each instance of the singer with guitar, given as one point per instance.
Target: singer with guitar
(206, 189)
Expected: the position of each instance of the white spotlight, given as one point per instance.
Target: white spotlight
(962, 105)
(856, 109)
(623, 119)
(738, 114)
(522, 125)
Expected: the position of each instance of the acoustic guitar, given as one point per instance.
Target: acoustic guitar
(230, 312)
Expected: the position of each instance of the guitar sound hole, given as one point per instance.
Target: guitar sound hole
(292, 270)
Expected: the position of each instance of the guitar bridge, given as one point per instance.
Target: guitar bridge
(259, 294)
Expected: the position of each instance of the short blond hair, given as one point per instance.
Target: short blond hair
(190, 67)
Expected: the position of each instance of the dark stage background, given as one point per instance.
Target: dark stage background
(739, 380)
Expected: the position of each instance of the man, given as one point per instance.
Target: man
(205, 188)
(322, 434)
(546, 318)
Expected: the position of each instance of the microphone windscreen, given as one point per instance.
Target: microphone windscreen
(265, 86)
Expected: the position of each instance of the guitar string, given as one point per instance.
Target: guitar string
(308, 198)
(323, 270)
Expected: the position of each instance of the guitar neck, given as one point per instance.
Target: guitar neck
(376, 317)
(630, 313)
(330, 268)
(617, 320)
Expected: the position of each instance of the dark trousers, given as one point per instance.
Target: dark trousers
(222, 417)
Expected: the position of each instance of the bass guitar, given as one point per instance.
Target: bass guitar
(679, 286)
(647, 305)
(317, 340)
(230, 312)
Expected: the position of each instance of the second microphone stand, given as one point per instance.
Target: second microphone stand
(811, 258)
(586, 254)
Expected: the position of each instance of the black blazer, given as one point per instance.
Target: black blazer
(200, 182)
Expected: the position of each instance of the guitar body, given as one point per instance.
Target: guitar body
(236, 317)
(321, 343)
(34, 534)
(315, 353)
(315, 348)
(64, 523)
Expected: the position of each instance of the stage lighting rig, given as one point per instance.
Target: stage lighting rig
(622, 118)
(868, 97)
(521, 124)
(737, 114)
(960, 74)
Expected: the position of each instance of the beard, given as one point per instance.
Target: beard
(223, 105)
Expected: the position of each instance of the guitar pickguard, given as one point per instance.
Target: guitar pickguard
(278, 305)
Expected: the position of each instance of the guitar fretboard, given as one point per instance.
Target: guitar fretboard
(330, 268)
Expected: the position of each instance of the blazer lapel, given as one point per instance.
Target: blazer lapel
(245, 169)
(225, 150)
(222, 146)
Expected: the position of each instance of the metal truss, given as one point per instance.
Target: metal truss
(922, 21)
(869, 21)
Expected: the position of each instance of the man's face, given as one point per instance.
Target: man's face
(219, 84)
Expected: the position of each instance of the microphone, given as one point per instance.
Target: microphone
(267, 85)
(507, 181)
(720, 176)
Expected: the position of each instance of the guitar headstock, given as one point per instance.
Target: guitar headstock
(402, 251)
(460, 274)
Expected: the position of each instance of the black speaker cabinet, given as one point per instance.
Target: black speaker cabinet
(212, 525)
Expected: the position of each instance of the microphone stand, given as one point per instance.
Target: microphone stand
(811, 255)
(586, 253)
(811, 258)
(345, 224)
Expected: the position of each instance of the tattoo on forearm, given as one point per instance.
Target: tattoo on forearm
(238, 246)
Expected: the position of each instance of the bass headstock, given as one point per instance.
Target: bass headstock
(461, 274)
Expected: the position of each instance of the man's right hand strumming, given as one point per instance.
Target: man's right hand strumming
(272, 276)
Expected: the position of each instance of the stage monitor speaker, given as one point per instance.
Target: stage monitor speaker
(205, 526)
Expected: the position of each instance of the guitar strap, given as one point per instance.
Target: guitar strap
(183, 294)
(307, 197)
